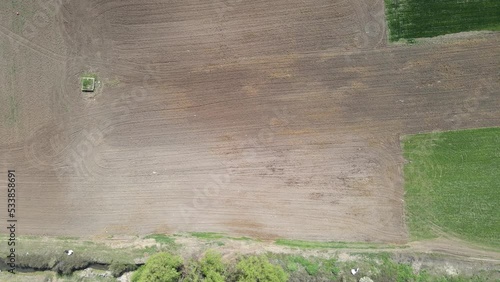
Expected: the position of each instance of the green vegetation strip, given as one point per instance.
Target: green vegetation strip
(334, 245)
(281, 267)
(408, 19)
(161, 238)
(451, 182)
(214, 236)
(170, 266)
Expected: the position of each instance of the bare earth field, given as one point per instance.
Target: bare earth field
(259, 118)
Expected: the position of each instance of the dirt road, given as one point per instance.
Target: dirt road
(257, 118)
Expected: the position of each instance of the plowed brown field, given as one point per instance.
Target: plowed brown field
(258, 118)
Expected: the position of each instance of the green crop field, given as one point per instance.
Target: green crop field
(408, 19)
(452, 182)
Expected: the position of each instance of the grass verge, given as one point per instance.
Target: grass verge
(46, 252)
(215, 236)
(161, 238)
(451, 184)
(333, 245)
(380, 265)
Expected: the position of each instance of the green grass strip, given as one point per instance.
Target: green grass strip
(333, 245)
(161, 238)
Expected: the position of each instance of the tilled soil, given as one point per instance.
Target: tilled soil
(259, 118)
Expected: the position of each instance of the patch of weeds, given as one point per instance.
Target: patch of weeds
(331, 266)
(215, 236)
(88, 81)
(161, 238)
(220, 243)
(88, 84)
(311, 268)
(292, 266)
(241, 238)
(150, 250)
(332, 245)
(389, 270)
(207, 235)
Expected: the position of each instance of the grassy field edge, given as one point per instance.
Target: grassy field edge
(450, 181)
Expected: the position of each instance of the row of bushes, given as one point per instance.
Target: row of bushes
(166, 267)
(211, 267)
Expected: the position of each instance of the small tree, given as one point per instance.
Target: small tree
(160, 267)
(258, 268)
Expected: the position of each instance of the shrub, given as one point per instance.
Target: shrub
(192, 272)
(70, 264)
(213, 276)
(38, 262)
(258, 268)
(162, 267)
(394, 271)
(212, 261)
(117, 269)
(210, 269)
(137, 274)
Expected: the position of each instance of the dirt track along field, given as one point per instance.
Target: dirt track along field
(258, 118)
